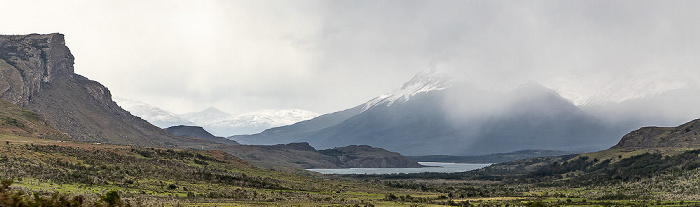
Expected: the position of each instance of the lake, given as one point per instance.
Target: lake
(440, 167)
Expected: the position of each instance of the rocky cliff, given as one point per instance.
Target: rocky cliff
(28, 62)
(686, 135)
(36, 72)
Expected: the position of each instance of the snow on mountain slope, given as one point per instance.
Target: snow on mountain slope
(205, 117)
(216, 121)
(423, 82)
(156, 116)
(255, 122)
(221, 123)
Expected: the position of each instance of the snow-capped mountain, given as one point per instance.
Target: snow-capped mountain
(206, 117)
(422, 82)
(156, 116)
(223, 124)
(216, 121)
(432, 115)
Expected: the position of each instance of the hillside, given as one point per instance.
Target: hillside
(686, 135)
(492, 158)
(198, 132)
(651, 159)
(37, 73)
(304, 156)
(649, 151)
(18, 121)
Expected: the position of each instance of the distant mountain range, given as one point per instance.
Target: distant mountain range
(223, 124)
(216, 121)
(430, 114)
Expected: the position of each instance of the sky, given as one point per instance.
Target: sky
(326, 56)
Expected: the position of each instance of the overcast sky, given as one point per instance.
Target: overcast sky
(325, 56)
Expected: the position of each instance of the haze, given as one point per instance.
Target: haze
(326, 56)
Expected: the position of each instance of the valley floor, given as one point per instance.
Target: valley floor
(37, 172)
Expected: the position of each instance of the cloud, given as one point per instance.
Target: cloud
(326, 56)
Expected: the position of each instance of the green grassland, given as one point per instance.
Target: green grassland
(45, 169)
(151, 176)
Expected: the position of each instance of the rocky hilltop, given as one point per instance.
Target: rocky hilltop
(303, 155)
(365, 156)
(36, 72)
(686, 135)
(199, 132)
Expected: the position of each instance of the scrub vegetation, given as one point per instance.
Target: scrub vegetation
(59, 173)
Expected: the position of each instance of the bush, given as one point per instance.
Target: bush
(111, 198)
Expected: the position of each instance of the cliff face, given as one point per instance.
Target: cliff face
(28, 62)
(686, 135)
(36, 72)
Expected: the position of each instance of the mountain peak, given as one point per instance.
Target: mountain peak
(423, 82)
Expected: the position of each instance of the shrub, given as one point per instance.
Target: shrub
(111, 198)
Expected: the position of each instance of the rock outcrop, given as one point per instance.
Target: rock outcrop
(36, 72)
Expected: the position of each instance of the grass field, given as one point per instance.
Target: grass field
(48, 169)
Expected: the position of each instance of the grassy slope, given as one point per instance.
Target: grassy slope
(19, 121)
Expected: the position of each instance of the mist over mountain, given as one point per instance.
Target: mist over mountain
(431, 114)
(668, 108)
